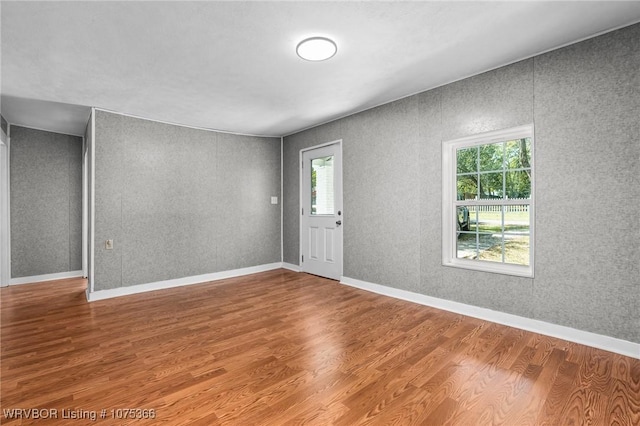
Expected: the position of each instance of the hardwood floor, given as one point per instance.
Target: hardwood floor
(286, 348)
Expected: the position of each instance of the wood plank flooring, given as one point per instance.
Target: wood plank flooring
(283, 348)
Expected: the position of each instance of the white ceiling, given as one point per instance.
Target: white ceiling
(232, 66)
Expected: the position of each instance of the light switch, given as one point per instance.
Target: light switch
(108, 245)
(274, 200)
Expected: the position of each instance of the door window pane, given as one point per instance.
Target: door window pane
(322, 198)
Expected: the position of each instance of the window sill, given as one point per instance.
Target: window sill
(494, 268)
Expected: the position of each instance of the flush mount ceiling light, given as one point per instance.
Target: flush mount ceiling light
(316, 49)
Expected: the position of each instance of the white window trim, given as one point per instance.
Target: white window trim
(449, 232)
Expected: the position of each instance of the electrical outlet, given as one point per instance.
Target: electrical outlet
(274, 200)
(108, 245)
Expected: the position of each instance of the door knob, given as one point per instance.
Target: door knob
(338, 222)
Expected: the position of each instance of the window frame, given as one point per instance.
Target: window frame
(450, 202)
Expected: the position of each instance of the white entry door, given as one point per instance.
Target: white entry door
(321, 211)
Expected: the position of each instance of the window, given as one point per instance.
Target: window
(487, 201)
(322, 186)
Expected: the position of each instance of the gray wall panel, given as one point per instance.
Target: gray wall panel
(45, 198)
(109, 170)
(75, 206)
(181, 202)
(430, 160)
(380, 169)
(170, 173)
(249, 168)
(587, 104)
(583, 101)
(494, 100)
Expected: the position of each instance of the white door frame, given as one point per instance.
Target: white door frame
(5, 221)
(90, 202)
(85, 208)
(5, 210)
(337, 142)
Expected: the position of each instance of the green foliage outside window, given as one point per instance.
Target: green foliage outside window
(495, 170)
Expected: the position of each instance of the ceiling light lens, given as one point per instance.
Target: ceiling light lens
(316, 49)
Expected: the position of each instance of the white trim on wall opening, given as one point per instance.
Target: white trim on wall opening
(85, 207)
(5, 222)
(281, 199)
(92, 204)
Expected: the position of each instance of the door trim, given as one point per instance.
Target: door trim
(85, 208)
(5, 200)
(301, 201)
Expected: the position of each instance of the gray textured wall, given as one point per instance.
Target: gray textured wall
(584, 101)
(4, 125)
(180, 202)
(46, 202)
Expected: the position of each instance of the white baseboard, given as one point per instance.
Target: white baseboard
(178, 282)
(291, 267)
(45, 277)
(587, 338)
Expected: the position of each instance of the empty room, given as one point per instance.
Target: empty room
(323, 213)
